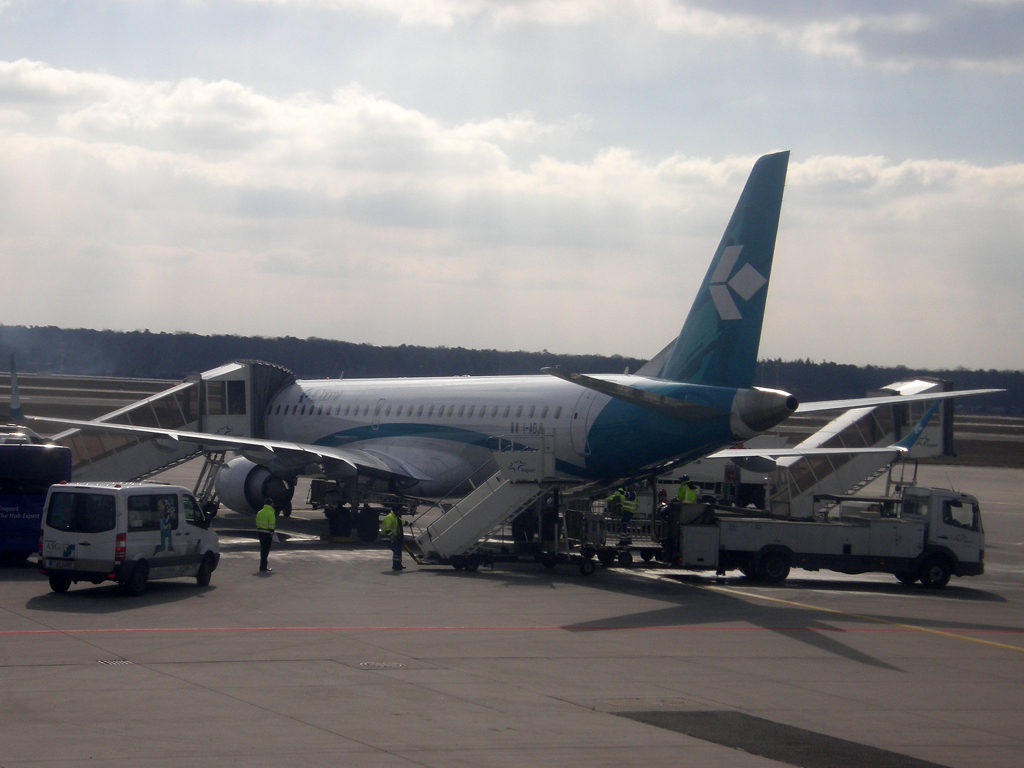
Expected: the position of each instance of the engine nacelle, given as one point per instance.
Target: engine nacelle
(243, 486)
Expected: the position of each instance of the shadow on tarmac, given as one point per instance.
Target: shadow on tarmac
(695, 605)
(87, 598)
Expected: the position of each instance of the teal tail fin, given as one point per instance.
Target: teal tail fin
(719, 341)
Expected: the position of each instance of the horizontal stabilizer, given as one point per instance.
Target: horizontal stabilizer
(871, 402)
(670, 406)
(779, 453)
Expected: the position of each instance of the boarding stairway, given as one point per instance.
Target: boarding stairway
(800, 479)
(526, 472)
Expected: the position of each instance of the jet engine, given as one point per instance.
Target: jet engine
(243, 486)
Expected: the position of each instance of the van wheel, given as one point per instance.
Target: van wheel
(774, 567)
(935, 572)
(60, 583)
(906, 577)
(135, 584)
(205, 571)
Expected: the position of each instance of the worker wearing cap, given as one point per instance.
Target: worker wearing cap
(266, 521)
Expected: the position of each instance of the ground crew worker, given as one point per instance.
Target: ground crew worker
(392, 528)
(687, 491)
(266, 521)
(628, 505)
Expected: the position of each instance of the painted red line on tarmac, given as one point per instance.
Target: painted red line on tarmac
(169, 630)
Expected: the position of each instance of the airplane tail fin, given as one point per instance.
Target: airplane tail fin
(719, 341)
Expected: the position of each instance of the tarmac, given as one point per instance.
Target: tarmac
(333, 659)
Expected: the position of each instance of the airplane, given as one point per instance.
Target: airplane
(426, 437)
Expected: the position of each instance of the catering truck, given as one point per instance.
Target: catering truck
(917, 534)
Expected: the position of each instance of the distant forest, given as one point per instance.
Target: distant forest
(141, 354)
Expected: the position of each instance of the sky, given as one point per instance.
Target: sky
(515, 174)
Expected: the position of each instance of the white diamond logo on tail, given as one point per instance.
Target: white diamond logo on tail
(745, 283)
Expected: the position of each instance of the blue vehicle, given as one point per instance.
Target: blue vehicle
(27, 470)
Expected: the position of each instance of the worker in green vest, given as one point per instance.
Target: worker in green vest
(266, 521)
(392, 528)
(687, 491)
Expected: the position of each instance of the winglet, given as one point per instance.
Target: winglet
(15, 404)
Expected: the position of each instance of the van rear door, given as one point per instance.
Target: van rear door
(80, 531)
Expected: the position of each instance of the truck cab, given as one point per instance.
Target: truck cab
(953, 527)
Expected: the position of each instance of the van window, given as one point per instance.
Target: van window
(152, 511)
(192, 513)
(81, 512)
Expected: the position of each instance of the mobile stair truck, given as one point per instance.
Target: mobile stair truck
(925, 534)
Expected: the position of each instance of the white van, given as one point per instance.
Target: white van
(124, 532)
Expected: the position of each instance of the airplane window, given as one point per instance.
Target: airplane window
(544, 413)
(346, 409)
(533, 409)
(494, 412)
(278, 411)
(469, 415)
(303, 411)
(419, 411)
(399, 411)
(462, 410)
(451, 410)
(483, 411)
(430, 412)
(558, 412)
(387, 411)
(366, 409)
(507, 409)
(519, 411)
(320, 411)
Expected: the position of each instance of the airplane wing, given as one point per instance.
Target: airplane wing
(871, 402)
(262, 451)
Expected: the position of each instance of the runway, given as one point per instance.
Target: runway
(335, 660)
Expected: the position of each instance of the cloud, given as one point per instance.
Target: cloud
(212, 207)
(955, 34)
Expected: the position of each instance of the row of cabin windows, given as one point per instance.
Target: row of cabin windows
(466, 412)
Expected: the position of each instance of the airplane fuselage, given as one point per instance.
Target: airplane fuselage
(444, 429)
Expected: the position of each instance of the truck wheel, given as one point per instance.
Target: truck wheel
(472, 563)
(747, 570)
(587, 567)
(135, 584)
(774, 567)
(205, 571)
(935, 572)
(60, 583)
(906, 577)
(549, 560)
(647, 555)
(606, 556)
(625, 558)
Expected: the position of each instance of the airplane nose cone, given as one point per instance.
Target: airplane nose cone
(757, 410)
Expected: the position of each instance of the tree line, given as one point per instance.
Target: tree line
(141, 354)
